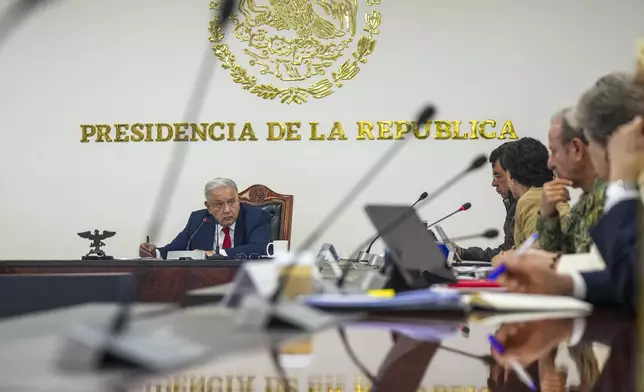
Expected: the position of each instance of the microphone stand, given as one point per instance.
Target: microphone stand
(366, 256)
(15, 14)
(443, 218)
(259, 313)
(477, 163)
(217, 256)
(115, 347)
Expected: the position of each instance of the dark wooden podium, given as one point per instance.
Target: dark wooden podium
(157, 280)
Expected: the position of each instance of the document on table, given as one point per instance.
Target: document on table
(416, 300)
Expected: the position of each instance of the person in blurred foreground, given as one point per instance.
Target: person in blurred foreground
(611, 114)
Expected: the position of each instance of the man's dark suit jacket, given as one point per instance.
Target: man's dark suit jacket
(252, 233)
(615, 236)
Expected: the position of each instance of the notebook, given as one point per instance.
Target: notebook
(512, 302)
(523, 317)
(416, 300)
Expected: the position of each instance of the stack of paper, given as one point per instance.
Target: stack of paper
(417, 300)
(511, 302)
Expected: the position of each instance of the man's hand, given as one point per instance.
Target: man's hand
(626, 151)
(496, 260)
(148, 250)
(532, 273)
(527, 342)
(554, 192)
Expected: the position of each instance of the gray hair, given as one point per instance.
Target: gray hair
(614, 100)
(570, 128)
(219, 182)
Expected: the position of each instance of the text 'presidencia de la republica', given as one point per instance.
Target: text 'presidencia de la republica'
(294, 131)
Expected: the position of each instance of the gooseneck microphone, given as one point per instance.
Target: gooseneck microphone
(364, 256)
(191, 114)
(425, 115)
(477, 163)
(203, 221)
(107, 344)
(464, 207)
(15, 14)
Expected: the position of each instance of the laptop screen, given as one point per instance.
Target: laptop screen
(410, 243)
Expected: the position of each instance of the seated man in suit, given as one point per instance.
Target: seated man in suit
(242, 228)
(616, 145)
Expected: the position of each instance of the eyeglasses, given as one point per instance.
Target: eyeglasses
(221, 205)
(244, 256)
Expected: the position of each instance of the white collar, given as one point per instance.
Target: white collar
(232, 227)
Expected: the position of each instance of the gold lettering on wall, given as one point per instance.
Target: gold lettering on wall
(297, 131)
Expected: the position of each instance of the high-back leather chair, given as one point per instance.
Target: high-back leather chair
(279, 206)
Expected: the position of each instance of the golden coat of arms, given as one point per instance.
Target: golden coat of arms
(303, 45)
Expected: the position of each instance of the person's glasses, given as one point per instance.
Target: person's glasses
(244, 256)
(221, 205)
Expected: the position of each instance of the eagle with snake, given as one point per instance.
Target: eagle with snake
(301, 17)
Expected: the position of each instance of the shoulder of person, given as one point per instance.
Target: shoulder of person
(199, 214)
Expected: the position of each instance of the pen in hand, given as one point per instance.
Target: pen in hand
(147, 239)
(500, 270)
(514, 364)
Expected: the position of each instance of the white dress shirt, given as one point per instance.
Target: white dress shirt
(219, 227)
(222, 235)
(615, 194)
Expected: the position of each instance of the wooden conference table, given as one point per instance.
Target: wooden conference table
(157, 280)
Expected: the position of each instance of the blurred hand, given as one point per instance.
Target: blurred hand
(148, 250)
(533, 273)
(626, 151)
(527, 342)
(554, 192)
(496, 260)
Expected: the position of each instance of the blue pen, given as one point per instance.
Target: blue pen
(516, 366)
(500, 270)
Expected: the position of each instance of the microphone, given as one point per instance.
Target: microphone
(464, 207)
(203, 221)
(217, 238)
(15, 14)
(476, 163)
(365, 256)
(425, 115)
(108, 344)
(489, 233)
(217, 256)
(258, 313)
(191, 114)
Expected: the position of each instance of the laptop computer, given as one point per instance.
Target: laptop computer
(411, 246)
(452, 257)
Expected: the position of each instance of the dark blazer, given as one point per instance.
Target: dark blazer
(252, 233)
(616, 236)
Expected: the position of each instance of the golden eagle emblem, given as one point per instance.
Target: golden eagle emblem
(297, 44)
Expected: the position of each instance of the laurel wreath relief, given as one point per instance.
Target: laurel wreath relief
(323, 88)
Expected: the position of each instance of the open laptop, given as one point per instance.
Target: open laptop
(452, 257)
(411, 246)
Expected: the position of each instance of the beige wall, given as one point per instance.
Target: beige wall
(123, 61)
